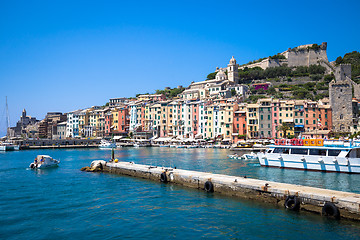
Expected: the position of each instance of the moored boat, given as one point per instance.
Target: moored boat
(249, 156)
(44, 161)
(5, 146)
(106, 144)
(312, 155)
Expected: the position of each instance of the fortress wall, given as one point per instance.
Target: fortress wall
(263, 64)
(305, 57)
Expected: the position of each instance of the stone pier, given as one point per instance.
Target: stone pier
(306, 198)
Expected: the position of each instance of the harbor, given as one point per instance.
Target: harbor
(108, 205)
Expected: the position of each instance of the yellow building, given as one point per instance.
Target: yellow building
(83, 122)
(226, 120)
(115, 117)
(209, 130)
(286, 117)
(252, 116)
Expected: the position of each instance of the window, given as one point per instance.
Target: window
(334, 152)
(281, 150)
(300, 151)
(320, 152)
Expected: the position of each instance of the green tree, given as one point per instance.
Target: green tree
(211, 76)
(339, 60)
(233, 92)
(271, 91)
(284, 128)
(328, 78)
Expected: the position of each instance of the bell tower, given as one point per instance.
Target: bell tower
(233, 70)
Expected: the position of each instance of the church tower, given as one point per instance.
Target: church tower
(24, 113)
(233, 70)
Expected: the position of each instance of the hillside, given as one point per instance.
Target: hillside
(299, 82)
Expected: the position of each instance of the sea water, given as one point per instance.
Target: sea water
(65, 203)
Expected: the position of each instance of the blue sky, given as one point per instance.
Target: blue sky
(67, 55)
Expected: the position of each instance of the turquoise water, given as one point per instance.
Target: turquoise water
(65, 203)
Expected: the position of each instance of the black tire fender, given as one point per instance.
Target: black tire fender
(209, 186)
(330, 210)
(292, 202)
(163, 177)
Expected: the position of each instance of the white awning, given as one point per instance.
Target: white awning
(163, 139)
(226, 139)
(118, 137)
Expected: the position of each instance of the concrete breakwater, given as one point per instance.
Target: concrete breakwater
(330, 203)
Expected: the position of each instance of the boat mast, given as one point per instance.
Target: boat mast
(7, 118)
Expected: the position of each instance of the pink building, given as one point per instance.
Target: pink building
(275, 118)
(195, 120)
(108, 123)
(264, 86)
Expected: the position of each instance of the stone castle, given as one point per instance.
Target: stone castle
(304, 55)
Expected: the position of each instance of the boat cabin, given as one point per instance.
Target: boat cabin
(315, 151)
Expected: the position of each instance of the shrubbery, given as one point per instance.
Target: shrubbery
(257, 73)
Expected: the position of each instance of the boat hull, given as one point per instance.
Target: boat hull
(323, 164)
(9, 148)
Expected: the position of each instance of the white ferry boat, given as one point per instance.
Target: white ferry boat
(318, 157)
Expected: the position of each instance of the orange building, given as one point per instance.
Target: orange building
(317, 117)
(123, 123)
(239, 126)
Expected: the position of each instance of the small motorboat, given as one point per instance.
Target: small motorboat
(234, 156)
(250, 156)
(106, 144)
(44, 161)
